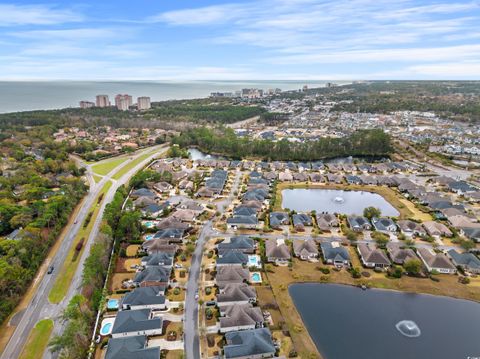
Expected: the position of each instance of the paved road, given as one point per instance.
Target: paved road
(191, 330)
(39, 307)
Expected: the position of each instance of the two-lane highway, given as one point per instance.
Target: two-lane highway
(39, 307)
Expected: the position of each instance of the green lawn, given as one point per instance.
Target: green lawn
(108, 166)
(97, 178)
(70, 265)
(122, 171)
(37, 340)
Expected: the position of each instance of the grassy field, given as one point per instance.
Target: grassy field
(301, 271)
(107, 166)
(37, 340)
(406, 208)
(132, 164)
(70, 265)
(97, 178)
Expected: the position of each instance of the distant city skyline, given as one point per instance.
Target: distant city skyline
(240, 40)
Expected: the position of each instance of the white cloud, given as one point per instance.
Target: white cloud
(68, 34)
(13, 14)
(218, 14)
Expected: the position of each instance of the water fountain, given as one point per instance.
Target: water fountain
(339, 200)
(408, 328)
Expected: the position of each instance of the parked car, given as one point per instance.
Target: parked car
(50, 269)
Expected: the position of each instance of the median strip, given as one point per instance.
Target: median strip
(69, 267)
(38, 339)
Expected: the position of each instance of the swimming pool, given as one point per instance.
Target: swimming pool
(255, 277)
(107, 326)
(149, 237)
(112, 304)
(254, 261)
(149, 224)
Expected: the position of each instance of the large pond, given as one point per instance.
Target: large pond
(347, 322)
(335, 201)
(196, 154)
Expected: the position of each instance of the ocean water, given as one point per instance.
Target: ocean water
(43, 95)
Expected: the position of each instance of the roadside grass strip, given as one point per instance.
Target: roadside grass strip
(37, 340)
(122, 171)
(107, 166)
(69, 267)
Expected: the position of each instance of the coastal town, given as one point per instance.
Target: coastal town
(184, 248)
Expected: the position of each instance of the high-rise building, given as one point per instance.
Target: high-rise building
(102, 101)
(86, 104)
(123, 102)
(143, 103)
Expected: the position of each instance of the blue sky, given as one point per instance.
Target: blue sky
(228, 40)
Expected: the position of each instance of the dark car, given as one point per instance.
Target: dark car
(50, 269)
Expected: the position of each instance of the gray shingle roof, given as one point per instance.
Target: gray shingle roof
(144, 296)
(131, 347)
(128, 321)
(249, 343)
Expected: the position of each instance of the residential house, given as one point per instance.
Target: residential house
(155, 210)
(327, 221)
(468, 261)
(184, 215)
(277, 251)
(372, 257)
(279, 219)
(242, 244)
(142, 192)
(231, 258)
(135, 346)
(285, 176)
(153, 276)
(300, 220)
(236, 294)
(251, 344)
(172, 234)
(411, 229)
(334, 253)
(384, 225)
(136, 322)
(231, 274)
(162, 187)
(437, 229)
(399, 254)
(145, 298)
(240, 317)
(358, 223)
(305, 249)
(245, 211)
(158, 259)
(461, 187)
(247, 222)
(438, 262)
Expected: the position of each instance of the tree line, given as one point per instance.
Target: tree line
(224, 141)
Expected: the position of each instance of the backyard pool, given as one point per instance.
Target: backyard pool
(255, 277)
(149, 237)
(254, 261)
(112, 304)
(149, 224)
(107, 326)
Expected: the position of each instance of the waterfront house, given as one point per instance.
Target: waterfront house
(436, 261)
(277, 251)
(285, 176)
(358, 223)
(372, 257)
(398, 254)
(251, 344)
(240, 317)
(468, 261)
(334, 253)
(305, 249)
(327, 221)
(145, 298)
(301, 220)
(236, 293)
(279, 219)
(384, 225)
(136, 322)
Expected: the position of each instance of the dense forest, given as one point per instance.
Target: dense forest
(225, 142)
(453, 100)
(39, 188)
